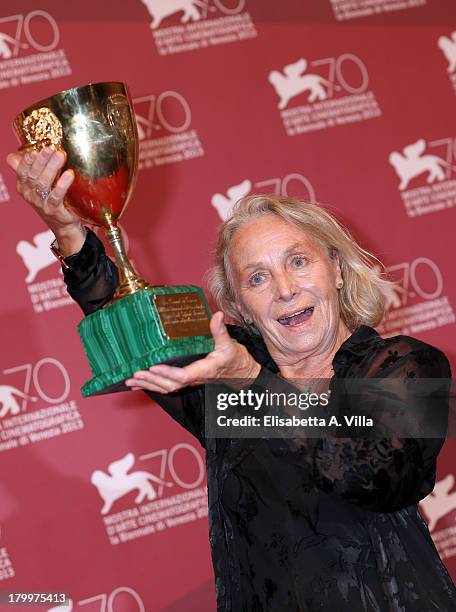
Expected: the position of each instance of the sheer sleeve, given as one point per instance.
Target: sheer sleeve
(91, 280)
(92, 277)
(186, 407)
(381, 473)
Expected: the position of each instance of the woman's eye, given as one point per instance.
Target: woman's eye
(299, 261)
(256, 279)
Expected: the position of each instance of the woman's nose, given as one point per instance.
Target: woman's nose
(285, 287)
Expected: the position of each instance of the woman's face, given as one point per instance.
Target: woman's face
(286, 284)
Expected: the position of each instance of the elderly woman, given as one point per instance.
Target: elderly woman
(321, 523)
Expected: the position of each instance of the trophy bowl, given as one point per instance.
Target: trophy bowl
(96, 127)
(142, 325)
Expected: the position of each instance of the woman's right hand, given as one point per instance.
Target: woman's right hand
(228, 360)
(36, 173)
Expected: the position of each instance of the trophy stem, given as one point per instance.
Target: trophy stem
(130, 280)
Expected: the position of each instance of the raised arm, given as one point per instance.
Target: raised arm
(90, 275)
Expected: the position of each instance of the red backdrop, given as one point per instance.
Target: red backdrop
(349, 102)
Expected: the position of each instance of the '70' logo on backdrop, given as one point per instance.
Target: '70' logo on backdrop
(279, 186)
(166, 112)
(47, 379)
(345, 74)
(18, 32)
(415, 160)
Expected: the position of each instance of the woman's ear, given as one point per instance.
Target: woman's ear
(337, 269)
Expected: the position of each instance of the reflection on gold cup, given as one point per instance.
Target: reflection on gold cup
(143, 325)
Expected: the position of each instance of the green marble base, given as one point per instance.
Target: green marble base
(154, 325)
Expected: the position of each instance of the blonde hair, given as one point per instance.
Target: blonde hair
(361, 298)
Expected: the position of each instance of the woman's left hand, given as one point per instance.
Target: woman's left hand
(228, 360)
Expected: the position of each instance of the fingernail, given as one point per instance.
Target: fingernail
(46, 152)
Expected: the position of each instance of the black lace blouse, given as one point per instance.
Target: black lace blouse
(302, 525)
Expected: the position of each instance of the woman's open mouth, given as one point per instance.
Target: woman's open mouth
(296, 318)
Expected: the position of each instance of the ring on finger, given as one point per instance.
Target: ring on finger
(43, 193)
